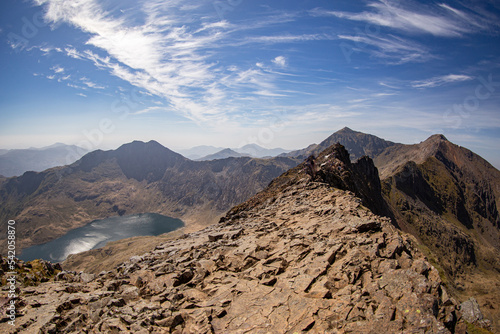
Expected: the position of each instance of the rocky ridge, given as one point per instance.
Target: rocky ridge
(301, 256)
(448, 198)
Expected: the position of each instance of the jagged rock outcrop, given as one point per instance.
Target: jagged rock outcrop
(301, 256)
(334, 167)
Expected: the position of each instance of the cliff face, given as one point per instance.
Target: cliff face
(304, 255)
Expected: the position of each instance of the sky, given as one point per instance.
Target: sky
(101, 73)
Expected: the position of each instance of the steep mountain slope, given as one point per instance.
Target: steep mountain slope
(448, 197)
(301, 256)
(357, 144)
(16, 162)
(137, 177)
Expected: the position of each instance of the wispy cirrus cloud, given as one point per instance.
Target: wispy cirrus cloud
(168, 49)
(288, 38)
(91, 84)
(395, 49)
(149, 110)
(57, 69)
(440, 80)
(439, 20)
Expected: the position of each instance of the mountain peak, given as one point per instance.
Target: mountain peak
(223, 154)
(346, 130)
(141, 143)
(437, 137)
(251, 146)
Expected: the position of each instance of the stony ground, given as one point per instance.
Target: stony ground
(309, 259)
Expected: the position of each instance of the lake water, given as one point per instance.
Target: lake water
(99, 232)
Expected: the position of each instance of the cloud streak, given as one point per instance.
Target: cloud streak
(440, 80)
(392, 48)
(442, 20)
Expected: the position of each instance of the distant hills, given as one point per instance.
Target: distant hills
(223, 154)
(16, 162)
(211, 152)
(198, 152)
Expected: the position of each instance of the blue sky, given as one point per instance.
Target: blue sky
(100, 73)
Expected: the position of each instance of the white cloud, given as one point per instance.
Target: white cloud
(164, 52)
(81, 94)
(284, 39)
(396, 50)
(280, 61)
(64, 78)
(269, 93)
(440, 80)
(91, 84)
(148, 110)
(57, 69)
(442, 20)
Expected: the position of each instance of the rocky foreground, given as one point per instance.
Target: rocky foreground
(303, 256)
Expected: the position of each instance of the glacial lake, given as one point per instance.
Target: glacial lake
(99, 232)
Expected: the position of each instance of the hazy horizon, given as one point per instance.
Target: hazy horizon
(495, 163)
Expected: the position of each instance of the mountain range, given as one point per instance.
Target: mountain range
(223, 154)
(137, 177)
(16, 162)
(212, 152)
(444, 195)
(306, 254)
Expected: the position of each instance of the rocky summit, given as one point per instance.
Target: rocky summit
(301, 256)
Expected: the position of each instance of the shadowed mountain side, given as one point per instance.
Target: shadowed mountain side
(137, 177)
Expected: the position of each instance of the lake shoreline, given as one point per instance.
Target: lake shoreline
(98, 233)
